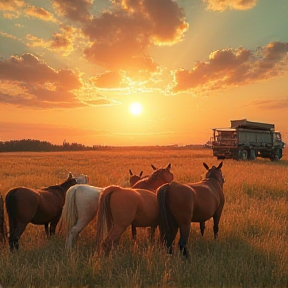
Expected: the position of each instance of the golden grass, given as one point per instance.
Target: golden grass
(251, 250)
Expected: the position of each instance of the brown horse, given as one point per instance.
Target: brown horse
(120, 207)
(143, 184)
(181, 204)
(134, 178)
(36, 206)
(3, 230)
(155, 180)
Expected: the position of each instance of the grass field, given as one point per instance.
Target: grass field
(251, 250)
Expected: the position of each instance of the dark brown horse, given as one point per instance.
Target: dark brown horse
(3, 230)
(181, 204)
(36, 206)
(121, 207)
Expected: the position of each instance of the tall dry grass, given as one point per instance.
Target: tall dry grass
(251, 250)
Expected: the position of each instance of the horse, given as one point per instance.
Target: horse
(3, 230)
(134, 178)
(181, 204)
(120, 207)
(37, 206)
(80, 208)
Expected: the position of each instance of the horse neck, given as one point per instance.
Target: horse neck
(215, 179)
(66, 185)
(154, 183)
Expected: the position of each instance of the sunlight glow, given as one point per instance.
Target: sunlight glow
(135, 108)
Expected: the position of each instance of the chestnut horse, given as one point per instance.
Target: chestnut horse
(80, 208)
(120, 207)
(134, 178)
(181, 204)
(36, 206)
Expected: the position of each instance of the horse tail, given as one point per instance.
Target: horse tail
(11, 208)
(69, 215)
(3, 229)
(166, 219)
(104, 218)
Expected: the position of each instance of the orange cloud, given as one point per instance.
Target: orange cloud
(121, 38)
(268, 104)
(41, 85)
(11, 5)
(227, 68)
(221, 5)
(108, 80)
(76, 10)
(40, 13)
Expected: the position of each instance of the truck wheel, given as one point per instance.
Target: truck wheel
(243, 154)
(277, 155)
(252, 155)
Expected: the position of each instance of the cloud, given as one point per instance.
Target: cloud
(40, 13)
(120, 39)
(11, 5)
(108, 80)
(76, 10)
(233, 67)
(14, 8)
(38, 85)
(221, 5)
(270, 104)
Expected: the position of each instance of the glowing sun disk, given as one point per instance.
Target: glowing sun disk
(135, 108)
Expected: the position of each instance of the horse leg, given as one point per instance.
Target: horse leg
(216, 219)
(15, 234)
(46, 226)
(75, 231)
(152, 233)
(184, 234)
(169, 238)
(53, 225)
(112, 239)
(202, 227)
(134, 232)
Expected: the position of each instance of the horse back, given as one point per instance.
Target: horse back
(209, 198)
(208, 191)
(86, 197)
(147, 211)
(21, 203)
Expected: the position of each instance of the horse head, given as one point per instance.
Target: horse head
(215, 173)
(70, 181)
(134, 178)
(163, 173)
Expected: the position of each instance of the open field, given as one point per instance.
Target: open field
(251, 250)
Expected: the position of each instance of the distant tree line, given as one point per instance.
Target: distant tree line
(40, 146)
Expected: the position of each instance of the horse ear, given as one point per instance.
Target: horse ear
(168, 166)
(70, 176)
(130, 172)
(206, 166)
(220, 165)
(153, 167)
(140, 173)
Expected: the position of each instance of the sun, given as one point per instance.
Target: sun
(135, 108)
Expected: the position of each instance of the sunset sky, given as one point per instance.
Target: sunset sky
(70, 69)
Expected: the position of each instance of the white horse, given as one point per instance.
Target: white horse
(82, 179)
(80, 208)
